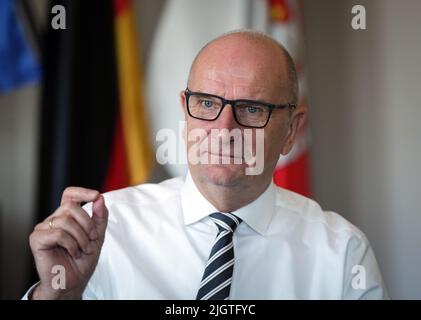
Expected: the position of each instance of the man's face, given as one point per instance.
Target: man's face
(235, 69)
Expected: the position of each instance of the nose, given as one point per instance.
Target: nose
(226, 119)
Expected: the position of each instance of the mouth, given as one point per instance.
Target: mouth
(224, 155)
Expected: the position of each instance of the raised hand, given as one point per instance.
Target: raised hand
(72, 240)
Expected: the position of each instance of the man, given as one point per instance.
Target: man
(223, 232)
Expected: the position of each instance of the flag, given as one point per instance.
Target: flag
(181, 33)
(79, 101)
(292, 171)
(18, 65)
(132, 157)
(93, 131)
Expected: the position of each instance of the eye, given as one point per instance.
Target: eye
(207, 103)
(252, 109)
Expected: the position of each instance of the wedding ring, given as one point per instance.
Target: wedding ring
(50, 223)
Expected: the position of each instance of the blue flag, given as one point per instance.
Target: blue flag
(17, 63)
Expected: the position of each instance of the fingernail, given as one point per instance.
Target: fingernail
(93, 194)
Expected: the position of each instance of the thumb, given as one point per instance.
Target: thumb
(100, 216)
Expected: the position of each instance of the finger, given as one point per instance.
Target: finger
(80, 216)
(78, 195)
(50, 239)
(100, 216)
(69, 225)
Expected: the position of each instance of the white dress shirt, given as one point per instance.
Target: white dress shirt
(159, 237)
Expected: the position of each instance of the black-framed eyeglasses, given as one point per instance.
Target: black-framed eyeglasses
(247, 113)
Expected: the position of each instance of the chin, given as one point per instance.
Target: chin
(223, 174)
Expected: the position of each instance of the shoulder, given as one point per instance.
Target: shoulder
(309, 217)
(331, 241)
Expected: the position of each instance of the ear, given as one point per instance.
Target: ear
(183, 102)
(295, 123)
(184, 107)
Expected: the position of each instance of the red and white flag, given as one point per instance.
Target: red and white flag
(292, 170)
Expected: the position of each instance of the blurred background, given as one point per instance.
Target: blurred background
(83, 95)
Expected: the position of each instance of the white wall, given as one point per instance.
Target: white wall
(365, 89)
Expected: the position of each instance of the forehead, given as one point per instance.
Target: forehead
(239, 66)
(230, 83)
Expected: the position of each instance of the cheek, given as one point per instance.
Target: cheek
(193, 123)
(195, 130)
(274, 140)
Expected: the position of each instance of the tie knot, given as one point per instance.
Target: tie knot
(225, 221)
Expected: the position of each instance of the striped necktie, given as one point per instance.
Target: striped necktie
(217, 278)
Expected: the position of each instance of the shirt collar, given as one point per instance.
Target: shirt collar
(257, 214)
